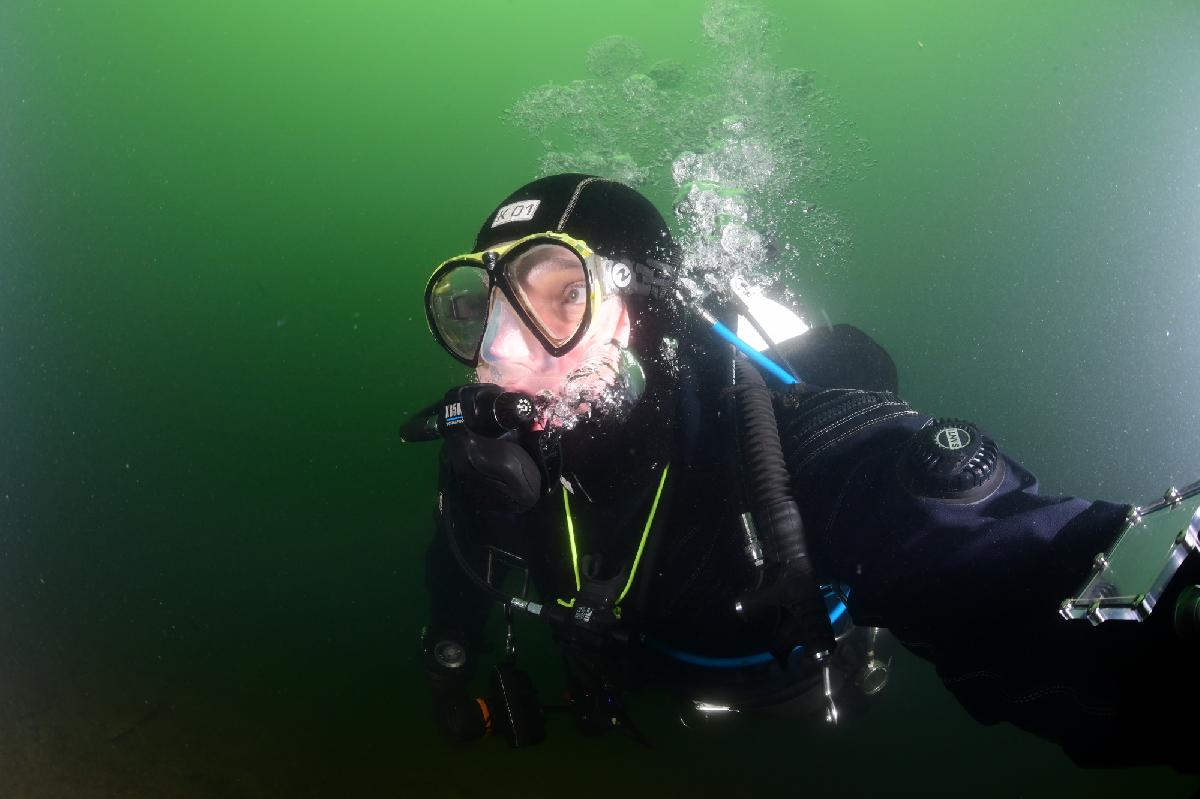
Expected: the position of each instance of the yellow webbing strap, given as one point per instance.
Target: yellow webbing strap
(571, 538)
(645, 533)
(637, 558)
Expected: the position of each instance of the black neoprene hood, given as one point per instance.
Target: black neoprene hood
(610, 217)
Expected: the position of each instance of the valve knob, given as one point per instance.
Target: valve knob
(951, 459)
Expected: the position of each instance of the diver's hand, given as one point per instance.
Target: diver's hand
(496, 472)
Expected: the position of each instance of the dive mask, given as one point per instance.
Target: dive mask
(554, 283)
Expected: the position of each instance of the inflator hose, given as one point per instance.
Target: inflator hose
(790, 592)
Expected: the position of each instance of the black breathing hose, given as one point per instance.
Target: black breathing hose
(790, 592)
(449, 530)
(767, 477)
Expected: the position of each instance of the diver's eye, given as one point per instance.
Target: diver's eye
(575, 293)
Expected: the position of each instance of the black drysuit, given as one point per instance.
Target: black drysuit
(973, 587)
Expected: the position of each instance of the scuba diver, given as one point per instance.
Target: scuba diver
(696, 490)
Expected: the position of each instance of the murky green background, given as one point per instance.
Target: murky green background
(215, 224)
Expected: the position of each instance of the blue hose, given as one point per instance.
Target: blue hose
(753, 354)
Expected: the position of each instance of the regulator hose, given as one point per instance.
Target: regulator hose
(449, 529)
(789, 606)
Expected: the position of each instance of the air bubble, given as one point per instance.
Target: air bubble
(730, 143)
(613, 56)
(735, 24)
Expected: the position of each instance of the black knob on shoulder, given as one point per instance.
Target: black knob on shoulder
(951, 459)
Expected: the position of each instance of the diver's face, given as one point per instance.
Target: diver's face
(549, 283)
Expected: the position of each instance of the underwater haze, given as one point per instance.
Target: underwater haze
(216, 224)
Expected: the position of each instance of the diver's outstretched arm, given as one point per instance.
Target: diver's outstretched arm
(972, 577)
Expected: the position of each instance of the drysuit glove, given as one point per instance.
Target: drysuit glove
(497, 472)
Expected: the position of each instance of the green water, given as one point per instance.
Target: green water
(215, 224)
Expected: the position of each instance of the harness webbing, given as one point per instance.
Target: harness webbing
(637, 555)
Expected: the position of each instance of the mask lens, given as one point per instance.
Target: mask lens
(458, 304)
(550, 282)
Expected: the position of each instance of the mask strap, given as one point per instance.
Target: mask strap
(623, 275)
